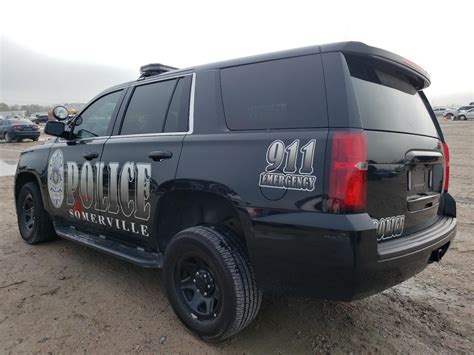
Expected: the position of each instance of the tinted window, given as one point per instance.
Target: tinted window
(147, 109)
(178, 113)
(95, 120)
(388, 100)
(286, 93)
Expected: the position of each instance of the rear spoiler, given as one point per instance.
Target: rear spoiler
(361, 49)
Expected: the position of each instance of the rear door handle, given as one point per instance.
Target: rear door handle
(90, 156)
(159, 155)
(427, 157)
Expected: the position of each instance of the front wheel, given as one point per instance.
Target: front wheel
(33, 221)
(210, 282)
(462, 117)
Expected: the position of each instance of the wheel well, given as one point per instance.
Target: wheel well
(179, 210)
(22, 179)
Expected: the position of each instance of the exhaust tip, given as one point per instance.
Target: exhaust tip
(438, 254)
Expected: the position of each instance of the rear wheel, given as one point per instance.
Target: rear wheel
(8, 137)
(210, 282)
(462, 117)
(449, 116)
(33, 221)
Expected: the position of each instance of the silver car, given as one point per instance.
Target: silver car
(461, 112)
(465, 115)
(444, 111)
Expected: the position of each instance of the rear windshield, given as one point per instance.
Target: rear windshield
(388, 100)
(20, 122)
(284, 93)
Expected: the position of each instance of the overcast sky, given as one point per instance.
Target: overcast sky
(75, 49)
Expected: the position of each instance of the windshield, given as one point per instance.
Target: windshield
(387, 100)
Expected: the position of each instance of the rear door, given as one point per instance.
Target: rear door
(470, 114)
(405, 156)
(143, 155)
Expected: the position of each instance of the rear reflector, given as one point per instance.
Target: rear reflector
(348, 173)
(446, 164)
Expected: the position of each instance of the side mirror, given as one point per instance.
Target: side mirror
(55, 128)
(60, 113)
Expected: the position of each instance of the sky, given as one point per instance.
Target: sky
(68, 51)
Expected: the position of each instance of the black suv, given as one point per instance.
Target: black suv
(319, 171)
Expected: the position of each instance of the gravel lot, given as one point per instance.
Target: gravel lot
(61, 297)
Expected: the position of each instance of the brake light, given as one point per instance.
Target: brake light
(446, 164)
(348, 172)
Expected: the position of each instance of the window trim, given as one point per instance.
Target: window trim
(190, 113)
(112, 119)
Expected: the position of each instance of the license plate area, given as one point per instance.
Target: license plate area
(420, 179)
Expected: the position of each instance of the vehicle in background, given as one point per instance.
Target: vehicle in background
(469, 114)
(40, 117)
(471, 103)
(18, 129)
(460, 112)
(450, 114)
(442, 111)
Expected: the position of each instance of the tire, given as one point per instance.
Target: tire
(35, 139)
(35, 225)
(234, 297)
(462, 117)
(8, 138)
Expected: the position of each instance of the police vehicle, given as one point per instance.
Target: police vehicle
(319, 171)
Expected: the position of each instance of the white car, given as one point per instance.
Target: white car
(440, 111)
(465, 115)
(443, 111)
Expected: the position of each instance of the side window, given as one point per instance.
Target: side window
(178, 112)
(284, 93)
(147, 108)
(95, 120)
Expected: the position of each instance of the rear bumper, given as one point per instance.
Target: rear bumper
(26, 134)
(302, 254)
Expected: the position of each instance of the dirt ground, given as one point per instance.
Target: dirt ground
(61, 297)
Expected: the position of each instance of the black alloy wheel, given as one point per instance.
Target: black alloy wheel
(198, 287)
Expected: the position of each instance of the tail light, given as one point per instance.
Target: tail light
(446, 163)
(348, 172)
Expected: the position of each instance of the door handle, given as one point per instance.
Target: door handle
(159, 155)
(90, 156)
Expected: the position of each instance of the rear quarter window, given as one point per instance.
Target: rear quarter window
(277, 94)
(387, 100)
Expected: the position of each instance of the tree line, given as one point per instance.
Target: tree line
(32, 108)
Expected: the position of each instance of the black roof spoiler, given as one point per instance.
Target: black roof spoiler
(361, 49)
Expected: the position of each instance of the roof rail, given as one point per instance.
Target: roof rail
(154, 69)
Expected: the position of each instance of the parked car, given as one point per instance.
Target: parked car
(274, 173)
(441, 111)
(461, 111)
(40, 118)
(18, 129)
(465, 115)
